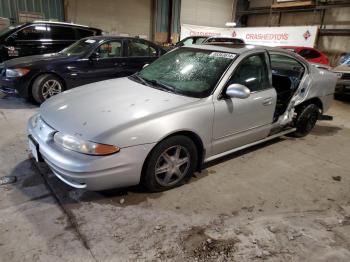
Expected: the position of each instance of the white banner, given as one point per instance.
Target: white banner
(270, 36)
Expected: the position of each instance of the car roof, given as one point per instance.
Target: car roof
(62, 23)
(228, 37)
(238, 48)
(109, 37)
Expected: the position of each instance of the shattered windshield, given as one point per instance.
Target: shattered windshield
(188, 71)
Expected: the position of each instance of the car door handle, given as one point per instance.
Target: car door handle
(267, 101)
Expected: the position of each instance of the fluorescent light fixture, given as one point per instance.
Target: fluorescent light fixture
(230, 24)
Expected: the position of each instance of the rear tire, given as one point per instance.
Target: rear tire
(170, 164)
(46, 86)
(306, 120)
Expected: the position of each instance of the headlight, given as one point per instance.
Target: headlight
(16, 72)
(339, 75)
(86, 147)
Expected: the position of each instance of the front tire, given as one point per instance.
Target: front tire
(306, 120)
(46, 86)
(170, 164)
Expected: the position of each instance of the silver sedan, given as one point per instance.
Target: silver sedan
(191, 106)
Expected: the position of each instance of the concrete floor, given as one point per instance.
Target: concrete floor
(286, 200)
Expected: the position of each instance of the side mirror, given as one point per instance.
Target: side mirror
(238, 91)
(94, 56)
(145, 65)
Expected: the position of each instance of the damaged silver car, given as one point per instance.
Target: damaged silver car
(191, 106)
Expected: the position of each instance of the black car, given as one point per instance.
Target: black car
(40, 37)
(88, 60)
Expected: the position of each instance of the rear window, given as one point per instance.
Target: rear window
(225, 40)
(82, 33)
(61, 32)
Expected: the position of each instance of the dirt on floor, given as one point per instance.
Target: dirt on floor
(285, 200)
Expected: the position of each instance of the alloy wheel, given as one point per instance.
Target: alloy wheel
(50, 88)
(172, 165)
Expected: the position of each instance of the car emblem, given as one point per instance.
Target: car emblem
(307, 34)
(234, 34)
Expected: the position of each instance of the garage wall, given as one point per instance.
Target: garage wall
(115, 17)
(28, 10)
(206, 12)
(335, 18)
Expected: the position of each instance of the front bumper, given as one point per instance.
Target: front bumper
(14, 86)
(343, 86)
(86, 171)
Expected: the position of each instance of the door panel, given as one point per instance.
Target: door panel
(108, 63)
(28, 40)
(242, 121)
(139, 53)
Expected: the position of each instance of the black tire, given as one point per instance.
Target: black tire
(306, 120)
(157, 182)
(41, 87)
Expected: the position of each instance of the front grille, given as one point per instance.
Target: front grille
(345, 76)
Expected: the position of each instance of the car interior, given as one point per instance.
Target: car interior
(286, 77)
(111, 49)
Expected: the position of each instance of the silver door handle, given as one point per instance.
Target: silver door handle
(267, 101)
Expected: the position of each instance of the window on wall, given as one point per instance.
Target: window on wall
(110, 49)
(252, 72)
(34, 32)
(138, 48)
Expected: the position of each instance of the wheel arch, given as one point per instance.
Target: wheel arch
(30, 87)
(190, 134)
(315, 100)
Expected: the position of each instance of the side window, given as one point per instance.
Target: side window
(138, 48)
(110, 49)
(200, 40)
(252, 72)
(309, 53)
(33, 32)
(82, 33)
(61, 32)
(283, 64)
(188, 41)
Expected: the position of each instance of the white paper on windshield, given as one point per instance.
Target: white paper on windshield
(223, 55)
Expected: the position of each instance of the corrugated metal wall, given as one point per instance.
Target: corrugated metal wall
(162, 15)
(50, 9)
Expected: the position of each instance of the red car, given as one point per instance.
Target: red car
(310, 54)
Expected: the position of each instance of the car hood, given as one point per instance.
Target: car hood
(97, 111)
(31, 60)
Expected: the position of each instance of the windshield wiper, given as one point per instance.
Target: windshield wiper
(155, 83)
(162, 85)
(140, 79)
